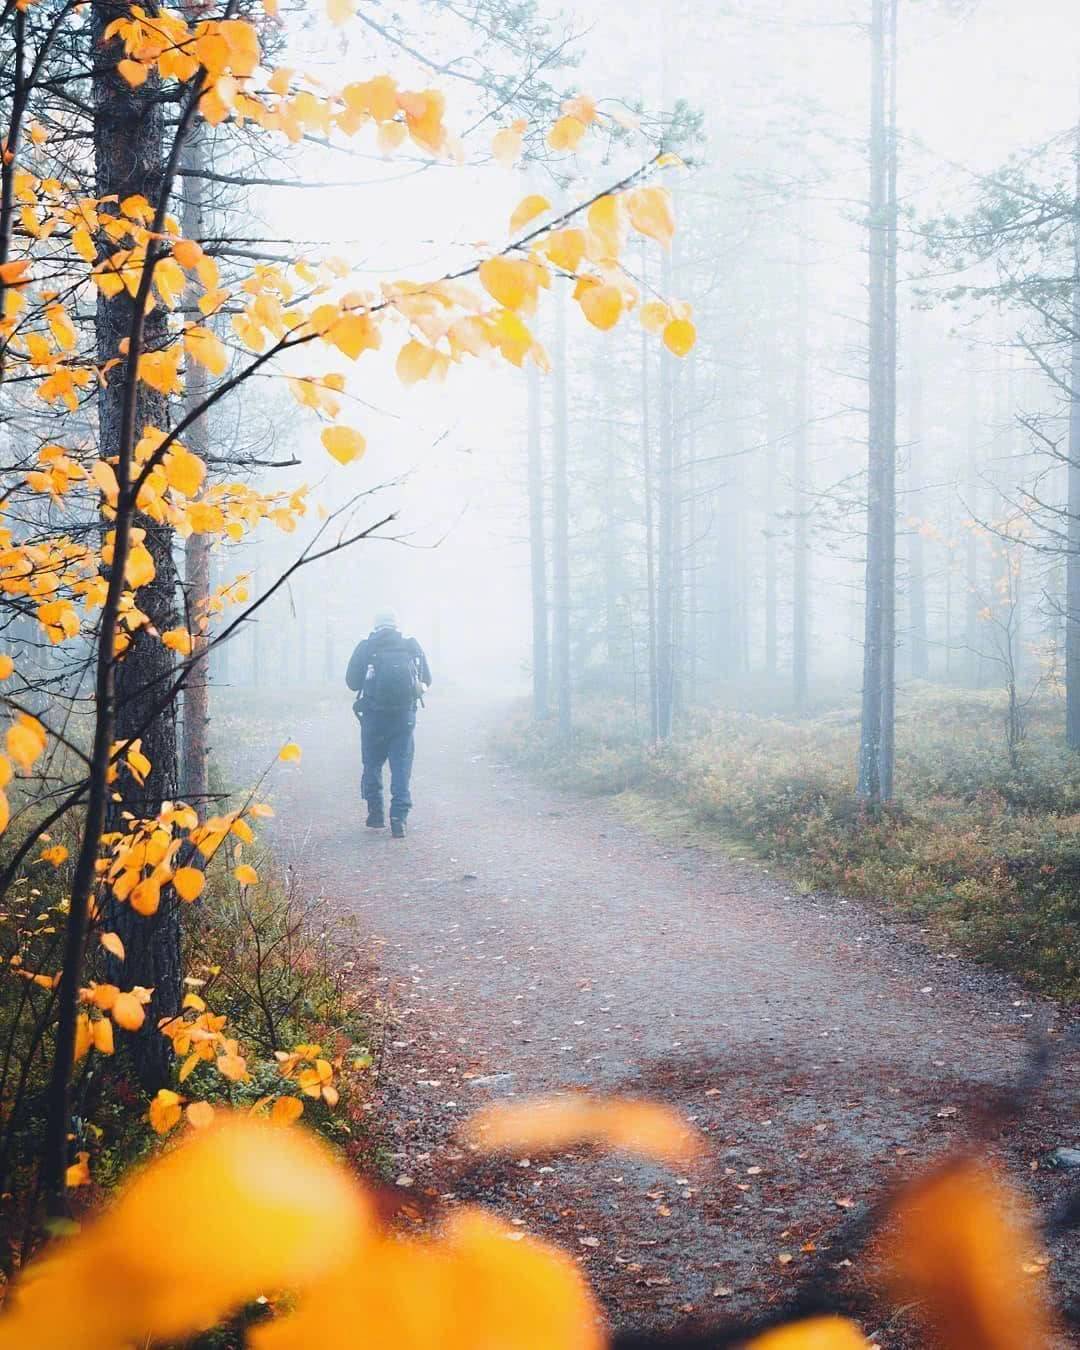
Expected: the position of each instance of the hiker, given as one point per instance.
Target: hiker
(388, 673)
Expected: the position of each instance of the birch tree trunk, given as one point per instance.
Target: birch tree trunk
(665, 485)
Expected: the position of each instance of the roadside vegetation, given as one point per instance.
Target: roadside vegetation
(981, 847)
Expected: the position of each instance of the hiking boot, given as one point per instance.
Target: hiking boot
(397, 828)
(375, 819)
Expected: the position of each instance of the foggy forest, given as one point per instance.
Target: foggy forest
(540, 666)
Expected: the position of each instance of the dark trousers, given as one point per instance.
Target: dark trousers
(387, 736)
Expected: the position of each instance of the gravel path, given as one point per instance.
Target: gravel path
(528, 940)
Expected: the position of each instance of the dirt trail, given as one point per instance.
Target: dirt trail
(530, 940)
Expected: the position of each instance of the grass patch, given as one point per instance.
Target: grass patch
(981, 848)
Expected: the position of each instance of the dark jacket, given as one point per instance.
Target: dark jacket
(361, 657)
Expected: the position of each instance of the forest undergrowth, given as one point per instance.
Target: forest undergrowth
(981, 846)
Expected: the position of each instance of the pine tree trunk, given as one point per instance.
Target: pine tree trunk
(919, 646)
(129, 160)
(774, 427)
(1072, 561)
(650, 537)
(971, 548)
(888, 467)
(537, 550)
(800, 588)
(665, 485)
(868, 783)
(560, 512)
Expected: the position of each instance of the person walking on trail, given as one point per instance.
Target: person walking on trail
(388, 673)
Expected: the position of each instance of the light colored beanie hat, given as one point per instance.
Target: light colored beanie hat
(385, 618)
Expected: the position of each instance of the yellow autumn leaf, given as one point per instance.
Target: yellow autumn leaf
(290, 753)
(200, 1115)
(506, 144)
(55, 855)
(565, 248)
(177, 640)
(246, 874)
(165, 1110)
(563, 1120)
(340, 11)
(25, 741)
(815, 1333)
(528, 209)
(207, 348)
(680, 336)
(145, 899)
(140, 569)
(127, 1011)
(134, 72)
(286, 1109)
(344, 443)
(7, 665)
(282, 1213)
(414, 362)
(651, 213)
(78, 1173)
(184, 471)
(477, 1282)
(506, 280)
(602, 305)
(188, 882)
(187, 252)
(655, 316)
(956, 1247)
(102, 1030)
(113, 943)
(566, 134)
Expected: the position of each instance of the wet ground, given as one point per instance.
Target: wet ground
(528, 940)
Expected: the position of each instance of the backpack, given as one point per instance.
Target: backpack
(392, 684)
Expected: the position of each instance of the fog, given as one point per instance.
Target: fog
(772, 208)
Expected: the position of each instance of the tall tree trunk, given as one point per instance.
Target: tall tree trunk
(693, 560)
(611, 546)
(888, 480)
(800, 588)
(129, 160)
(665, 484)
(195, 758)
(537, 549)
(919, 645)
(650, 536)
(971, 545)
(877, 626)
(774, 429)
(560, 514)
(1072, 561)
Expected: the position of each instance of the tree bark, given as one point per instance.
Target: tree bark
(1072, 562)
(537, 549)
(650, 537)
(919, 645)
(560, 512)
(129, 150)
(800, 588)
(665, 598)
(878, 627)
(888, 467)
